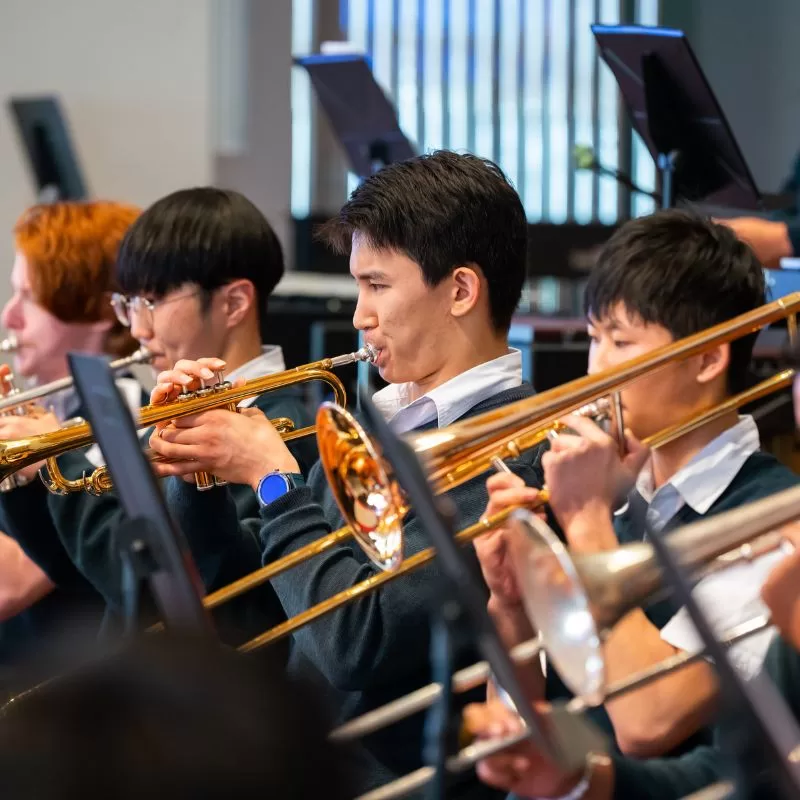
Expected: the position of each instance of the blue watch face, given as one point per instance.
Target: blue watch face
(272, 487)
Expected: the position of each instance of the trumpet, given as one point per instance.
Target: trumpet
(16, 454)
(16, 401)
(372, 503)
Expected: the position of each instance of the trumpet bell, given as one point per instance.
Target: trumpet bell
(362, 485)
(557, 604)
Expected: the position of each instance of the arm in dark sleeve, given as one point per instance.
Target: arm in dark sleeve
(365, 643)
(25, 516)
(669, 778)
(87, 527)
(793, 229)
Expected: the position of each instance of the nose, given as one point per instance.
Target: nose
(597, 359)
(12, 314)
(141, 329)
(364, 318)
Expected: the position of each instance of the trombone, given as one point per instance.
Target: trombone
(18, 453)
(372, 503)
(569, 599)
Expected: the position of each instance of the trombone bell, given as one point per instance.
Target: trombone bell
(362, 485)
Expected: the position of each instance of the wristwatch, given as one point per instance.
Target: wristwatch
(276, 484)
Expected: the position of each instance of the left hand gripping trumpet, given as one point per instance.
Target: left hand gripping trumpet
(15, 454)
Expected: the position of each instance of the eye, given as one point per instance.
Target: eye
(377, 286)
(620, 343)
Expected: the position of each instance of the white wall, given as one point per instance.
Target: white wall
(133, 77)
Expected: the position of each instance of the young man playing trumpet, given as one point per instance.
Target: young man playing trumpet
(195, 273)
(438, 250)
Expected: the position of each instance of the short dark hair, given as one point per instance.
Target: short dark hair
(684, 272)
(205, 236)
(443, 210)
(171, 718)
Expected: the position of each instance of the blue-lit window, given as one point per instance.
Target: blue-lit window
(517, 81)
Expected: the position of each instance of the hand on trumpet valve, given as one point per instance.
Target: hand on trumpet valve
(185, 376)
(584, 472)
(519, 769)
(35, 421)
(237, 447)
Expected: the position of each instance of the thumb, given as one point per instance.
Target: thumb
(636, 453)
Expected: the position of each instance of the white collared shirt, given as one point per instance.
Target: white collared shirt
(701, 482)
(268, 363)
(733, 595)
(451, 400)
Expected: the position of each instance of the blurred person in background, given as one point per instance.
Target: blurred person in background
(171, 717)
(62, 279)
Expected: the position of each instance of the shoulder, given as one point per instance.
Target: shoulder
(760, 476)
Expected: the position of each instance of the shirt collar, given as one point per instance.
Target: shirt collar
(268, 363)
(450, 401)
(710, 472)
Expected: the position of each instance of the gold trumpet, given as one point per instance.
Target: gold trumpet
(372, 502)
(16, 401)
(18, 453)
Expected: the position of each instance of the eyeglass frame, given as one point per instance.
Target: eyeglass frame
(137, 300)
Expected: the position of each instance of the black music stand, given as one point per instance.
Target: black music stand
(44, 134)
(758, 726)
(565, 738)
(152, 547)
(362, 117)
(675, 111)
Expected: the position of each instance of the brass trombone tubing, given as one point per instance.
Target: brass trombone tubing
(477, 674)
(439, 447)
(321, 545)
(470, 755)
(18, 453)
(772, 384)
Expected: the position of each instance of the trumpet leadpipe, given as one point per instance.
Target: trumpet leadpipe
(140, 356)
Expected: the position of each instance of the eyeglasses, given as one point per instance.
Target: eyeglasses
(126, 307)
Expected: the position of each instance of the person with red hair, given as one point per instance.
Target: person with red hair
(62, 279)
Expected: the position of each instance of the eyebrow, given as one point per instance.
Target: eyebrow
(611, 324)
(372, 275)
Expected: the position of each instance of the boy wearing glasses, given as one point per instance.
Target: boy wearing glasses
(194, 272)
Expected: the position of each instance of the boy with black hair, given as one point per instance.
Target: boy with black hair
(659, 279)
(438, 249)
(195, 272)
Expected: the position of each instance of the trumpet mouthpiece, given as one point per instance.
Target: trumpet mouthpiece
(367, 353)
(9, 344)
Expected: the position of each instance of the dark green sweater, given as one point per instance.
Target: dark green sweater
(376, 649)
(74, 541)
